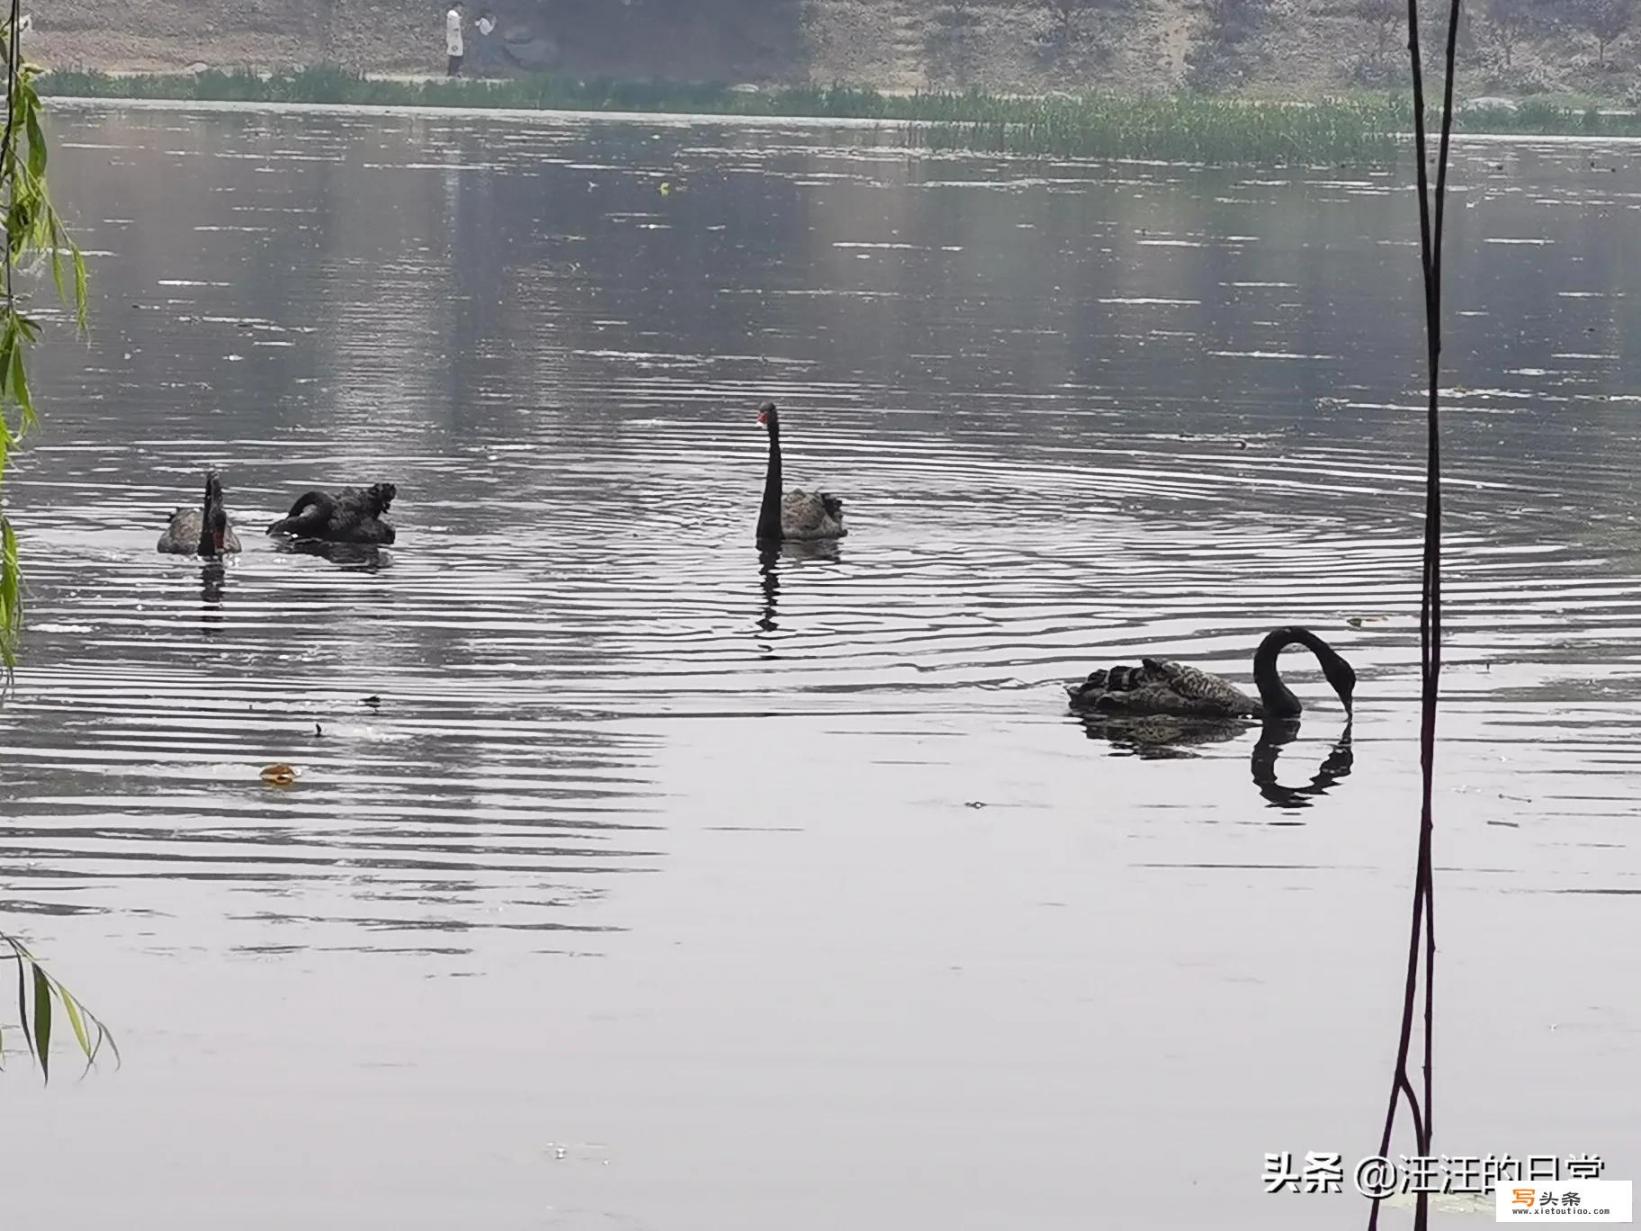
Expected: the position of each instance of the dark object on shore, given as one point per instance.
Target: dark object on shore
(1162, 687)
(203, 531)
(798, 514)
(352, 515)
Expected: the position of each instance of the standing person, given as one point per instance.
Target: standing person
(453, 38)
(485, 47)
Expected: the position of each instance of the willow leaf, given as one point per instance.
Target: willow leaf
(72, 1008)
(36, 139)
(42, 1020)
(79, 285)
(11, 626)
(22, 994)
(19, 389)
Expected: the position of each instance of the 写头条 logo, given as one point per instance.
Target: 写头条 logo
(1567, 1202)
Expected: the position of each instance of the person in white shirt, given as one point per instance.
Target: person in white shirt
(453, 38)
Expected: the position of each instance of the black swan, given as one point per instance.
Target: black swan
(1161, 687)
(203, 531)
(798, 514)
(352, 515)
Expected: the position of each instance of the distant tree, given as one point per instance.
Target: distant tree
(1510, 21)
(1069, 30)
(950, 36)
(1382, 17)
(1606, 21)
(1216, 60)
(1066, 13)
(1234, 20)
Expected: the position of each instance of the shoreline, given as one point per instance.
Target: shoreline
(662, 119)
(548, 115)
(1369, 130)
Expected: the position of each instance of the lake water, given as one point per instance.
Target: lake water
(660, 888)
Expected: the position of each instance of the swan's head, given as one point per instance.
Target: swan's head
(768, 416)
(1341, 675)
(213, 530)
(380, 496)
(219, 528)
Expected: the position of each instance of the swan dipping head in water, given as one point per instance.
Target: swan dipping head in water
(1160, 686)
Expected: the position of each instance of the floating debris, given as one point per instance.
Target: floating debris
(279, 775)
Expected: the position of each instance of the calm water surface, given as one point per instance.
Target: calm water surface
(631, 882)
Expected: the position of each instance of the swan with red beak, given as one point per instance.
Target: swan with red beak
(204, 531)
(798, 514)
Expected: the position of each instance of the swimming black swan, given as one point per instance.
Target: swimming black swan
(1161, 687)
(351, 515)
(799, 514)
(203, 531)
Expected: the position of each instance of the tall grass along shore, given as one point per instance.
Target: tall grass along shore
(1189, 127)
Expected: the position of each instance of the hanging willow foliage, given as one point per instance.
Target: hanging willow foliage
(33, 233)
(38, 997)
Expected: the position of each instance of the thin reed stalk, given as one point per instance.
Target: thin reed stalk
(1421, 957)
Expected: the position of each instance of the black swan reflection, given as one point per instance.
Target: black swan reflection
(212, 576)
(1336, 765)
(352, 515)
(1161, 687)
(1158, 737)
(1162, 737)
(204, 531)
(769, 578)
(798, 514)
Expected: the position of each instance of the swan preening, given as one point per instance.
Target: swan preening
(798, 514)
(352, 515)
(1162, 687)
(203, 531)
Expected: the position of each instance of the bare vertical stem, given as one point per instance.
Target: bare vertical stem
(8, 142)
(1422, 933)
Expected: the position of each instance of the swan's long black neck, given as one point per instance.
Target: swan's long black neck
(207, 541)
(1277, 699)
(769, 513)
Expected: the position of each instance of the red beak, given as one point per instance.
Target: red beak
(221, 541)
(763, 418)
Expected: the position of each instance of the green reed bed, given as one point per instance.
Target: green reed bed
(1543, 119)
(1186, 127)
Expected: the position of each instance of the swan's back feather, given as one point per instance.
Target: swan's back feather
(811, 515)
(181, 537)
(1160, 686)
(1194, 684)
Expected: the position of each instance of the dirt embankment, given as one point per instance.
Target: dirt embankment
(1300, 47)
